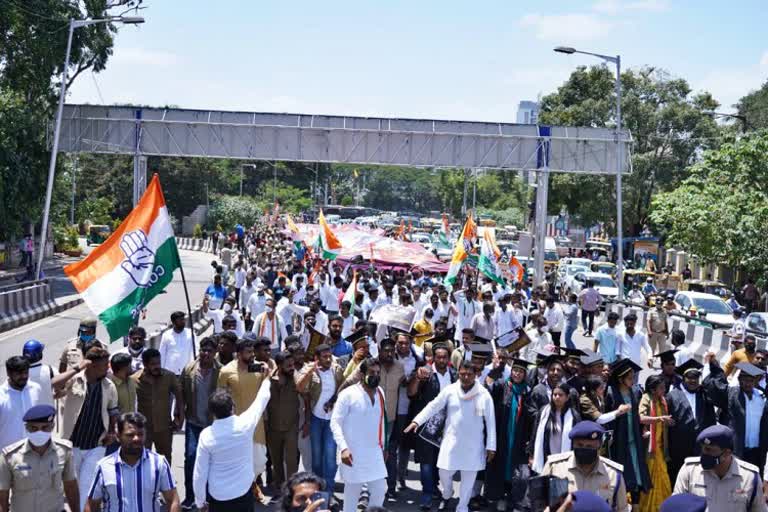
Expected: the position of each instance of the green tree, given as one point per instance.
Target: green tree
(720, 212)
(227, 211)
(33, 37)
(753, 109)
(669, 125)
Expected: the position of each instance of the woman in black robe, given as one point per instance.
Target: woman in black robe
(627, 446)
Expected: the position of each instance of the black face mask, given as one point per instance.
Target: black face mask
(749, 347)
(372, 381)
(585, 456)
(709, 461)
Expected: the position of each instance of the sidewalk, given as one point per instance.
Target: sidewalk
(58, 262)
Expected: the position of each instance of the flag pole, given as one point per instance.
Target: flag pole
(189, 309)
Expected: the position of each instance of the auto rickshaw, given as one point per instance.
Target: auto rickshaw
(636, 276)
(604, 267)
(97, 234)
(704, 286)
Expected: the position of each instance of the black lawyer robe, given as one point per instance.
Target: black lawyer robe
(682, 435)
(620, 446)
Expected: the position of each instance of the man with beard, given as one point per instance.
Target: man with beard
(744, 409)
(283, 420)
(429, 382)
(154, 388)
(692, 410)
(542, 392)
(357, 424)
(89, 412)
(339, 346)
(137, 338)
(269, 325)
(120, 477)
(469, 439)
(745, 354)
(17, 395)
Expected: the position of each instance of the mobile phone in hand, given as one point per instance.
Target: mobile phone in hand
(256, 367)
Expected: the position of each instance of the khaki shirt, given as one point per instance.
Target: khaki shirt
(126, 393)
(658, 321)
(315, 386)
(243, 386)
(602, 480)
(731, 493)
(283, 406)
(153, 397)
(36, 481)
(72, 354)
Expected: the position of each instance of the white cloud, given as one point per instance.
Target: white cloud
(567, 28)
(616, 6)
(728, 85)
(144, 57)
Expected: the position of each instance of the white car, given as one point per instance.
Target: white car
(577, 262)
(717, 309)
(566, 273)
(758, 322)
(605, 285)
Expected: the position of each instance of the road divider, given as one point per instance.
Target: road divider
(28, 302)
(194, 244)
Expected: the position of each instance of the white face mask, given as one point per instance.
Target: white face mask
(39, 438)
(269, 309)
(227, 307)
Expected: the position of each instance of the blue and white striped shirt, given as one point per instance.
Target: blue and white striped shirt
(125, 488)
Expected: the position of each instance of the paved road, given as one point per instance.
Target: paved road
(56, 330)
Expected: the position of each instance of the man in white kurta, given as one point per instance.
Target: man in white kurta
(357, 424)
(469, 410)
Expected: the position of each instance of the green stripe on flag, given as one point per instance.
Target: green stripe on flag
(122, 316)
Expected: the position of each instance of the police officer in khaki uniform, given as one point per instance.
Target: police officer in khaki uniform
(37, 472)
(585, 470)
(73, 351)
(728, 484)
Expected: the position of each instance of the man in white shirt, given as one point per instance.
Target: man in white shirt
(469, 437)
(176, 345)
(420, 301)
(218, 315)
(484, 323)
(284, 311)
(445, 309)
(224, 462)
(330, 295)
(357, 423)
(269, 325)
(17, 395)
(507, 316)
(347, 317)
(468, 306)
(257, 302)
(247, 291)
(555, 319)
(631, 342)
(321, 319)
(239, 281)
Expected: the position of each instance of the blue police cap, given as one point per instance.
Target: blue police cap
(719, 435)
(587, 501)
(686, 501)
(586, 430)
(40, 413)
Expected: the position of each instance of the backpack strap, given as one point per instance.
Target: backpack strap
(755, 483)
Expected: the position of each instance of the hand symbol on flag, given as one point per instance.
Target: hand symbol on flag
(138, 257)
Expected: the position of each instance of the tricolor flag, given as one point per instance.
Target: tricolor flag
(275, 212)
(350, 293)
(298, 240)
(514, 263)
(488, 263)
(131, 267)
(461, 250)
(327, 243)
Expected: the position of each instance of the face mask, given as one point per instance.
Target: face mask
(135, 351)
(227, 307)
(39, 438)
(709, 461)
(85, 338)
(750, 347)
(270, 309)
(372, 381)
(585, 456)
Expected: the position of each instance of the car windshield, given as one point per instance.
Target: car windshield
(713, 306)
(603, 282)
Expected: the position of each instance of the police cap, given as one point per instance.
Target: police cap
(588, 501)
(586, 430)
(686, 501)
(719, 435)
(40, 413)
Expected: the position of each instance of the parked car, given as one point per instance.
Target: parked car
(758, 322)
(717, 309)
(604, 284)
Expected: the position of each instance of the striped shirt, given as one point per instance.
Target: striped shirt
(125, 488)
(89, 425)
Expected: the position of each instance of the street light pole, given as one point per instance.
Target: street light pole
(617, 138)
(74, 189)
(73, 24)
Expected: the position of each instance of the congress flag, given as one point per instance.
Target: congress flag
(488, 263)
(461, 250)
(131, 267)
(327, 243)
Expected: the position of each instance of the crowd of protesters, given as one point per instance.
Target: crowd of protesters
(299, 395)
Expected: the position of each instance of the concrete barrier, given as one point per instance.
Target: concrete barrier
(24, 303)
(194, 244)
(700, 338)
(199, 323)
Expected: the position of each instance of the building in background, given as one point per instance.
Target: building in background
(528, 112)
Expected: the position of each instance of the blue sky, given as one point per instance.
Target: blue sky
(472, 60)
